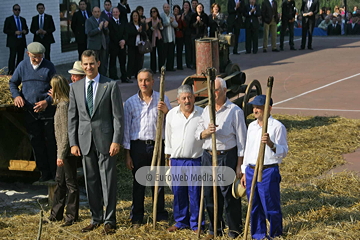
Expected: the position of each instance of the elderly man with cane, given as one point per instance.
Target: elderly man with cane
(230, 144)
(266, 196)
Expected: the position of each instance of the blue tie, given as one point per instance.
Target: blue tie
(18, 25)
(89, 98)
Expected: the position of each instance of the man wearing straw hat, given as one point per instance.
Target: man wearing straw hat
(35, 74)
(185, 153)
(266, 198)
(230, 132)
(77, 73)
(140, 114)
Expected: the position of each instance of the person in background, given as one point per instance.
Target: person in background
(252, 13)
(140, 10)
(34, 74)
(179, 36)
(155, 26)
(334, 28)
(136, 32)
(124, 9)
(186, 16)
(266, 198)
(287, 22)
(77, 73)
(309, 8)
(270, 18)
(217, 22)
(15, 28)
(194, 4)
(107, 15)
(234, 20)
(325, 23)
(66, 191)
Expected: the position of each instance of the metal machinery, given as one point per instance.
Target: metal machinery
(214, 52)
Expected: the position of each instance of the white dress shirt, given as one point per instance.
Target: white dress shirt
(95, 85)
(277, 132)
(180, 141)
(230, 130)
(140, 118)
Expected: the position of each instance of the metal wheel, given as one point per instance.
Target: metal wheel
(231, 68)
(252, 90)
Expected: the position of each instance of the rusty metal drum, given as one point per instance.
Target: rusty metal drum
(207, 54)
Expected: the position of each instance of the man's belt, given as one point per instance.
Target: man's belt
(266, 166)
(147, 142)
(220, 152)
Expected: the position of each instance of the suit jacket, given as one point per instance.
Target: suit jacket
(267, 11)
(49, 27)
(105, 126)
(235, 15)
(104, 15)
(313, 8)
(78, 26)
(252, 20)
(288, 10)
(124, 10)
(95, 37)
(334, 31)
(10, 28)
(353, 30)
(116, 33)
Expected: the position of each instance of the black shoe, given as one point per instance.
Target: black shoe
(115, 78)
(292, 48)
(247, 52)
(171, 70)
(281, 49)
(179, 68)
(67, 223)
(264, 50)
(275, 50)
(255, 52)
(127, 81)
(310, 48)
(236, 53)
(302, 48)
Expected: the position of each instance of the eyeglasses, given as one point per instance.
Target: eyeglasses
(17, 9)
(153, 10)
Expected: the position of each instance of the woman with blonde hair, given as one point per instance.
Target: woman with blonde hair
(66, 182)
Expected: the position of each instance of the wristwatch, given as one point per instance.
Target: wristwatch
(274, 147)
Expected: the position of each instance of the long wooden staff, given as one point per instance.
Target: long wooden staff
(260, 160)
(201, 210)
(211, 90)
(156, 159)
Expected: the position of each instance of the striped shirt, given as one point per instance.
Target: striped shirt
(140, 118)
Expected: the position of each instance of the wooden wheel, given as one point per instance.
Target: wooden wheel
(252, 90)
(188, 80)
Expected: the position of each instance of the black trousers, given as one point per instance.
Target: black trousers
(81, 48)
(284, 25)
(66, 182)
(141, 155)
(42, 139)
(234, 27)
(252, 38)
(188, 51)
(120, 54)
(15, 53)
(169, 53)
(135, 61)
(307, 29)
(225, 198)
(179, 50)
(159, 47)
(102, 54)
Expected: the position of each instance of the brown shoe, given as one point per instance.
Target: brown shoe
(209, 237)
(109, 229)
(173, 229)
(90, 227)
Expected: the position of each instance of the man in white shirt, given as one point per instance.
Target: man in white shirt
(168, 33)
(230, 132)
(185, 153)
(266, 201)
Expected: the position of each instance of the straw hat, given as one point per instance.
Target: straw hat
(77, 69)
(237, 189)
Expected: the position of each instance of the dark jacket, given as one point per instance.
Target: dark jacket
(288, 10)
(217, 24)
(313, 8)
(78, 26)
(132, 32)
(49, 27)
(251, 20)
(199, 29)
(10, 28)
(124, 10)
(334, 30)
(235, 15)
(117, 32)
(268, 11)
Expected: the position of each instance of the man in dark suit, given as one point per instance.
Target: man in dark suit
(78, 26)
(107, 15)
(287, 22)
(42, 26)
(118, 38)
(309, 8)
(96, 29)
(334, 28)
(252, 13)
(354, 27)
(124, 9)
(234, 20)
(15, 28)
(270, 18)
(95, 129)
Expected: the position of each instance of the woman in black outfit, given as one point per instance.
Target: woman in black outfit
(155, 26)
(136, 33)
(187, 13)
(216, 20)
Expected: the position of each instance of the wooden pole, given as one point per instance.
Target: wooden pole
(211, 90)
(201, 210)
(260, 160)
(156, 159)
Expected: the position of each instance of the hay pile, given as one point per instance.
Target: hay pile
(5, 95)
(314, 207)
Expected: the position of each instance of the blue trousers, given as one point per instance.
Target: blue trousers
(266, 203)
(186, 203)
(225, 198)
